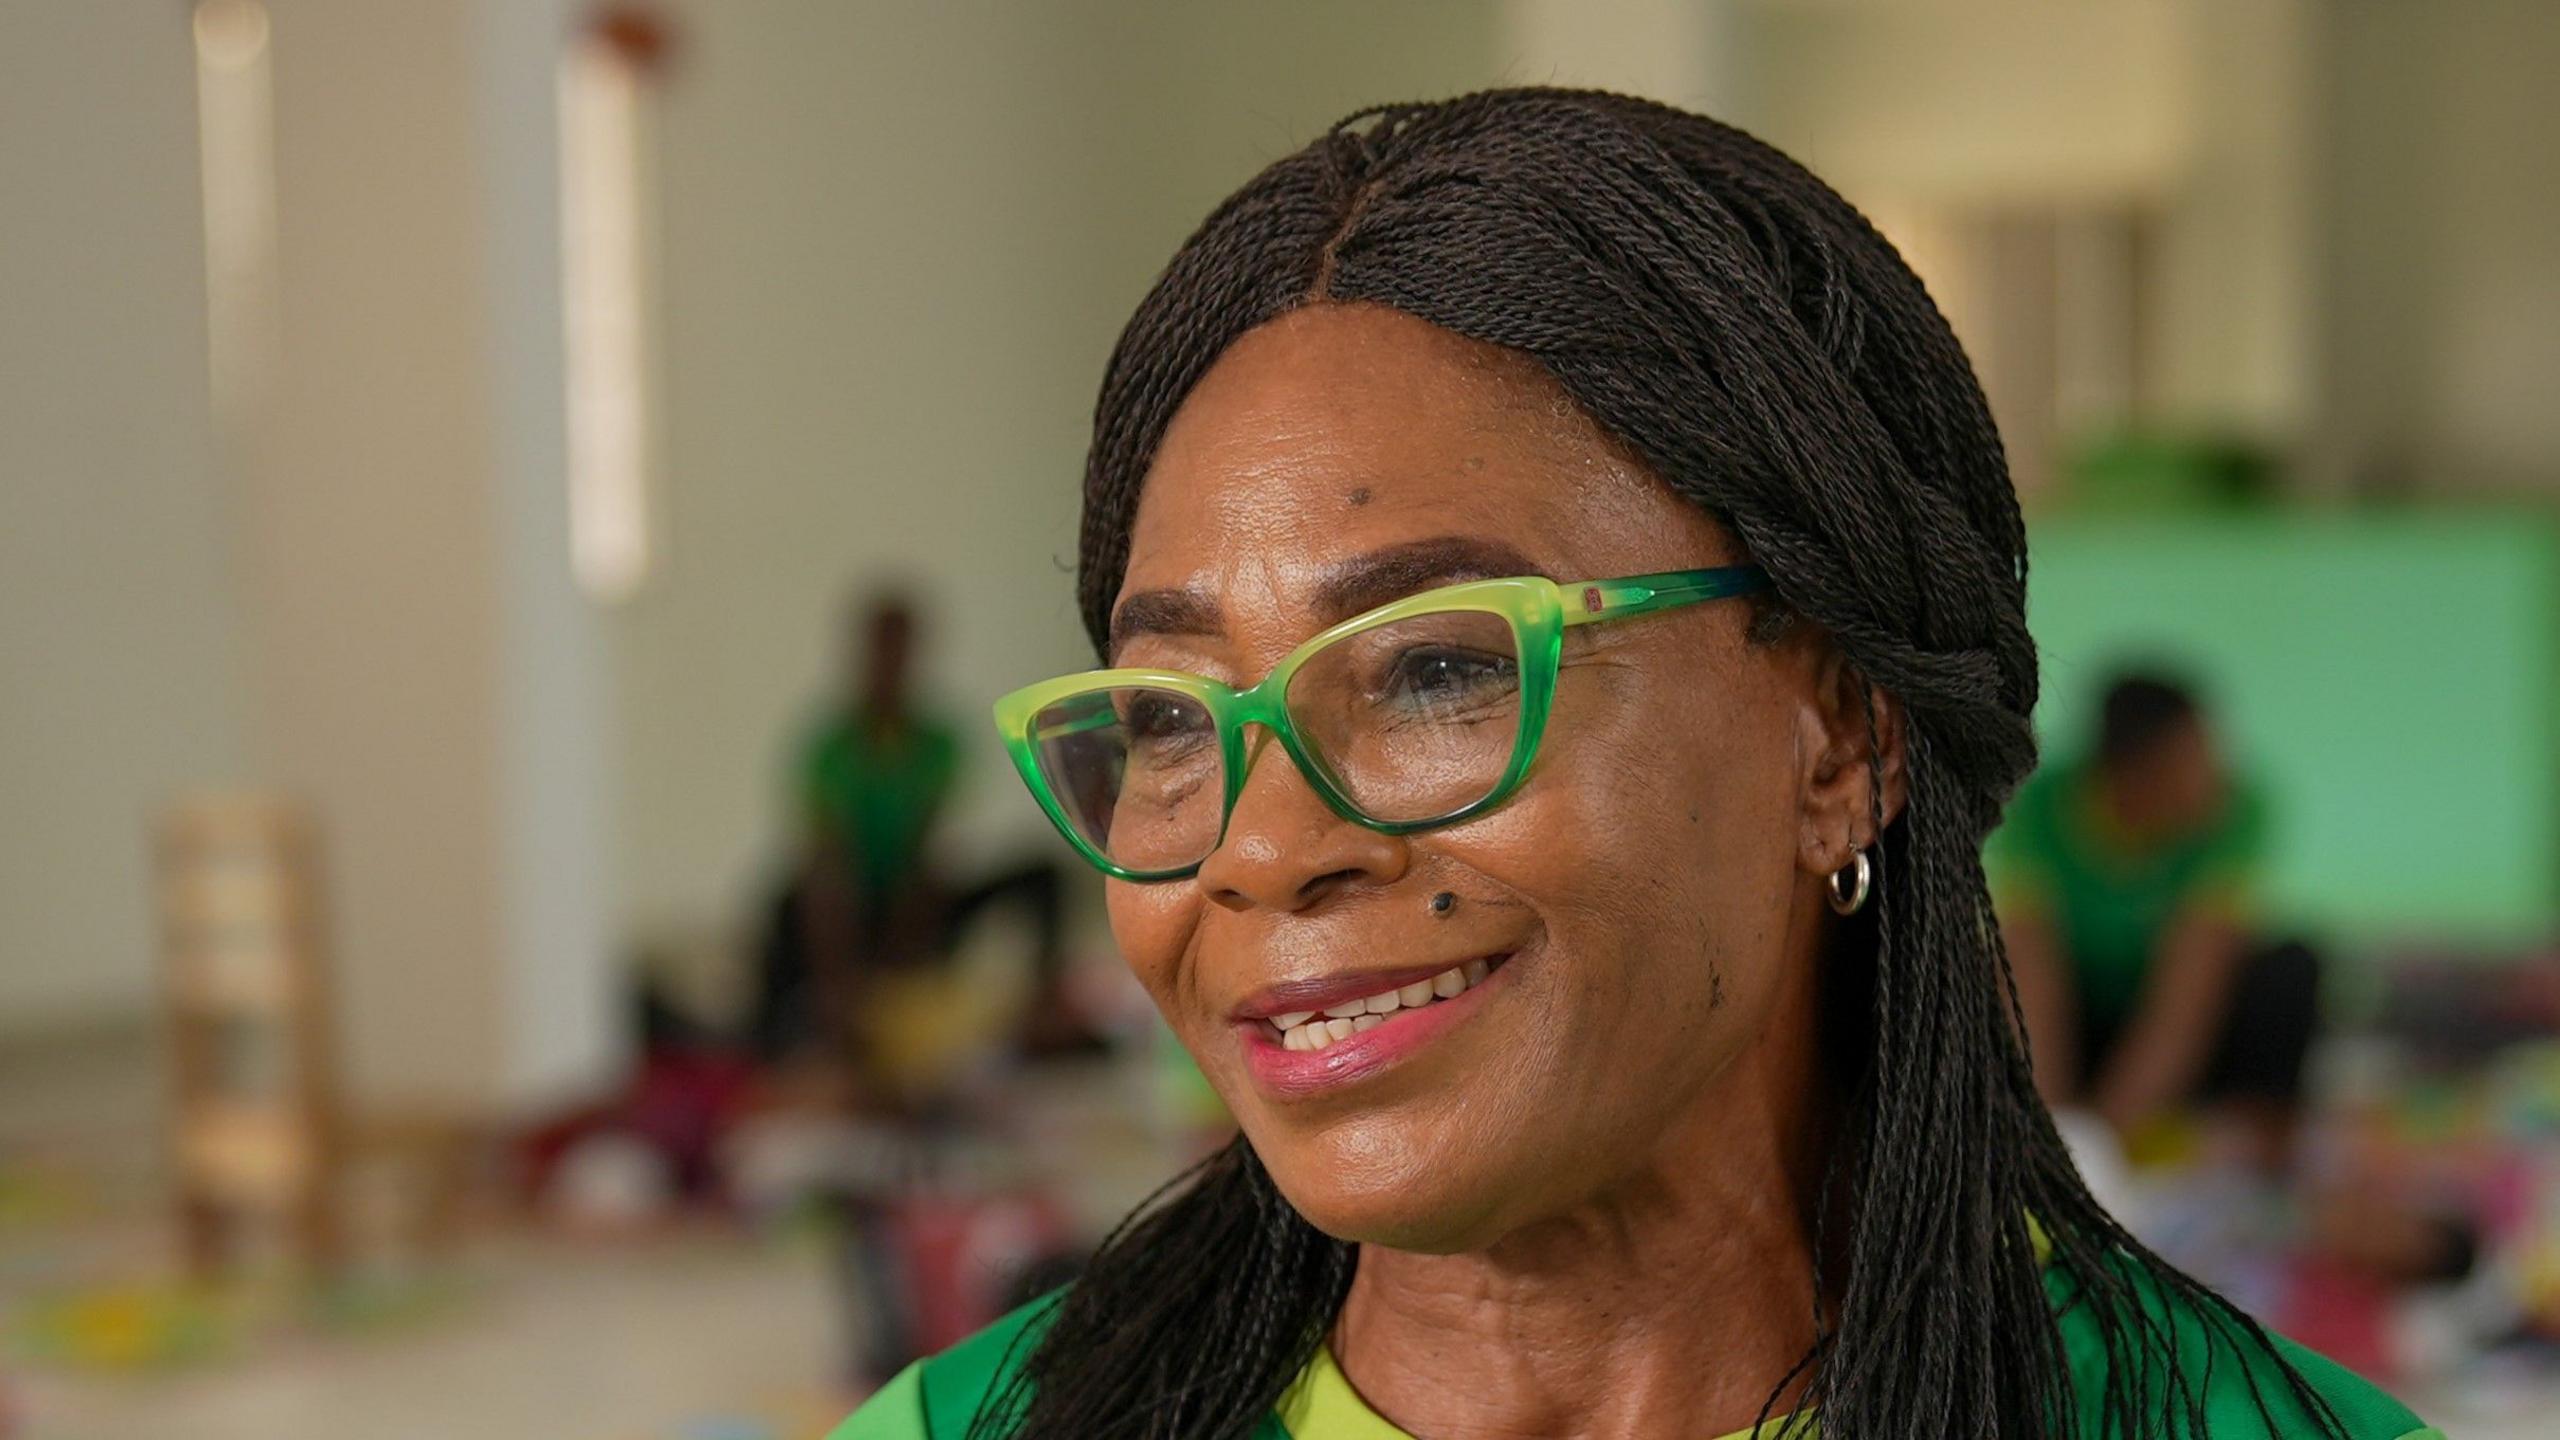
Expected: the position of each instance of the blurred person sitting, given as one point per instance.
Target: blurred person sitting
(857, 972)
(2125, 885)
(866, 897)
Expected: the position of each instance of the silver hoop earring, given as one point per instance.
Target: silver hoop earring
(1851, 883)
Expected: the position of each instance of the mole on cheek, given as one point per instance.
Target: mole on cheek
(1360, 496)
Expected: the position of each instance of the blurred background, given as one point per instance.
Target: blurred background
(511, 512)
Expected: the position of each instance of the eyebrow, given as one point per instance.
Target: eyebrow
(1366, 582)
(1347, 588)
(1164, 612)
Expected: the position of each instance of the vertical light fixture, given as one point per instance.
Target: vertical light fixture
(605, 92)
(235, 136)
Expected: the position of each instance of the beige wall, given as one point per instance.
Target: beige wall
(2439, 356)
(898, 238)
(899, 241)
(1980, 101)
(2194, 114)
(119, 629)
(2350, 205)
(371, 564)
(2229, 329)
(1679, 51)
(422, 667)
(361, 601)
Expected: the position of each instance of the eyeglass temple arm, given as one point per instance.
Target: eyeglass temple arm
(1629, 595)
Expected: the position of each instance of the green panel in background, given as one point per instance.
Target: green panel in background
(2391, 680)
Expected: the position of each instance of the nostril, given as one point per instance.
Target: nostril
(1325, 884)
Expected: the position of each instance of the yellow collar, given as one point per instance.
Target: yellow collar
(1321, 1405)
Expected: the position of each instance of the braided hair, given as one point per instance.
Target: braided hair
(1741, 327)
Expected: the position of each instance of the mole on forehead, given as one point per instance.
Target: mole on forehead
(1362, 494)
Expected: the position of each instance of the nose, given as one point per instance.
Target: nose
(1285, 849)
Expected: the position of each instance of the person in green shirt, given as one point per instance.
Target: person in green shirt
(868, 893)
(875, 778)
(2126, 885)
(870, 784)
(877, 772)
(871, 904)
(1563, 605)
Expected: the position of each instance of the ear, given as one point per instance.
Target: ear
(1850, 739)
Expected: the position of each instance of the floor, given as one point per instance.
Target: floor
(551, 1344)
(685, 1335)
(701, 1332)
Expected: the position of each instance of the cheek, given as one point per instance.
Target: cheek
(1663, 841)
(1152, 925)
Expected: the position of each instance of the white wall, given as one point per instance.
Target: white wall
(2439, 354)
(422, 669)
(899, 237)
(559, 999)
(365, 602)
(119, 634)
(372, 582)
(2194, 114)
(2230, 326)
(899, 241)
(1683, 52)
(2351, 204)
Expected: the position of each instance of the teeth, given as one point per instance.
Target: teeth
(1309, 1030)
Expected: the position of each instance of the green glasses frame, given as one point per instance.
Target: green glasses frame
(1539, 611)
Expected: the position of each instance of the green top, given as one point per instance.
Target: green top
(935, 1399)
(876, 790)
(2109, 899)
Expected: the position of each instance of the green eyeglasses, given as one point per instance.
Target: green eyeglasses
(1411, 716)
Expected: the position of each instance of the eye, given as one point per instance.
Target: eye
(1446, 675)
(1165, 719)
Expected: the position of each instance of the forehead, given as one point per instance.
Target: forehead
(1336, 431)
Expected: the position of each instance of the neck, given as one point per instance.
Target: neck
(1675, 1302)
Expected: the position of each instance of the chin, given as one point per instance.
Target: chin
(1430, 1204)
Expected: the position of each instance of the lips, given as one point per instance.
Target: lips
(1306, 1037)
(1325, 992)
(1317, 1029)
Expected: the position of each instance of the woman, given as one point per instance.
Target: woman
(1600, 972)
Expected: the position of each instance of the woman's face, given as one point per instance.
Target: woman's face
(1646, 905)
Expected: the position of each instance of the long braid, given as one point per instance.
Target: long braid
(1750, 336)
(1191, 1320)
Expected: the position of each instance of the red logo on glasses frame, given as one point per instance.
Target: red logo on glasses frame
(1591, 599)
